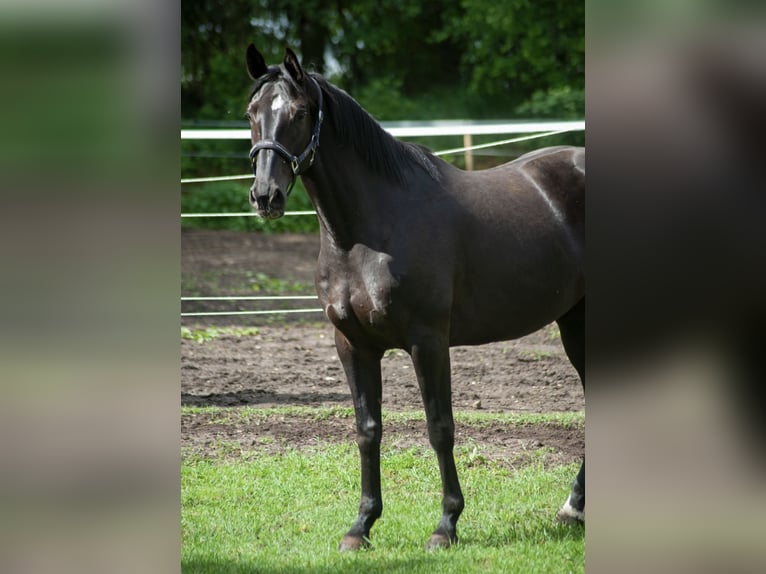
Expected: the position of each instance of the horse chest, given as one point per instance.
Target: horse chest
(356, 291)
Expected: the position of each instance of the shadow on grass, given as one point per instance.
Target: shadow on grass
(511, 536)
(372, 562)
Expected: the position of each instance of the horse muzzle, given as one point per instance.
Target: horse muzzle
(270, 204)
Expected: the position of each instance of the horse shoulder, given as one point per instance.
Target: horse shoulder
(332, 284)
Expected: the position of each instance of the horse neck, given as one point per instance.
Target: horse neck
(350, 199)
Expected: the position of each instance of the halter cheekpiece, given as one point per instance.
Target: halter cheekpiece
(295, 161)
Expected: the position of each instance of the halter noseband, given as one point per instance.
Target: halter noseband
(295, 161)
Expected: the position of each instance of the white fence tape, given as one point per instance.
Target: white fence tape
(252, 298)
(242, 214)
(419, 129)
(274, 312)
(578, 127)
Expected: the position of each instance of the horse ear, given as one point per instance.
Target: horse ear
(256, 65)
(293, 66)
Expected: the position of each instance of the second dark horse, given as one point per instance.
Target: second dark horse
(419, 255)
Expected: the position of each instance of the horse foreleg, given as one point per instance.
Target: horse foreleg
(432, 366)
(362, 369)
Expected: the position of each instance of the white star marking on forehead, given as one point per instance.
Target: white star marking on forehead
(277, 102)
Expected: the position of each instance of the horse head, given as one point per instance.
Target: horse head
(285, 114)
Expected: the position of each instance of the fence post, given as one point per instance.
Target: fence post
(468, 142)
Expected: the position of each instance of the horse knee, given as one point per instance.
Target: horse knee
(368, 435)
(441, 436)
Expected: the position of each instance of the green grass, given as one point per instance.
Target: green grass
(250, 414)
(261, 283)
(286, 512)
(208, 333)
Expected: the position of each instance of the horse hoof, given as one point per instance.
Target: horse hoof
(569, 515)
(353, 543)
(439, 541)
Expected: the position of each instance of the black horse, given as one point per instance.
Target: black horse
(419, 255)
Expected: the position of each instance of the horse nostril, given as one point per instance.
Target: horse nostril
(253, 199)
(277, 200)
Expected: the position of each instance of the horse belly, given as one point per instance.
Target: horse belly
(521, 266)
(506, 306)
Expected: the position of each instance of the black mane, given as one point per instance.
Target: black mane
(383, 153)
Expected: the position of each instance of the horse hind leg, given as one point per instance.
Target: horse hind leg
(572, 327)
(573, 510)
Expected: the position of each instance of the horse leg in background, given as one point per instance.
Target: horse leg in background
(572, 327)
(362, 369)
(430, 356)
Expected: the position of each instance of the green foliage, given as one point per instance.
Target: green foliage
(214, 34)
(205, 158)
(505, 49)
(233, 197)
(209, 333)
(392, 40)
(561, 103)
(259, 282)
(516, 47)
(385, 100)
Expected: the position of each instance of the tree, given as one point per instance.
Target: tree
(514, 48)
(401, 59)
(502, 53)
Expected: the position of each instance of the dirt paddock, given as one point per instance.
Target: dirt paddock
(291, 359)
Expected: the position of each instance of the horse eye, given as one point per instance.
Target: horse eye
(300, 114)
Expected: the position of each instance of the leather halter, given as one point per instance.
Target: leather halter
(295, 161)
